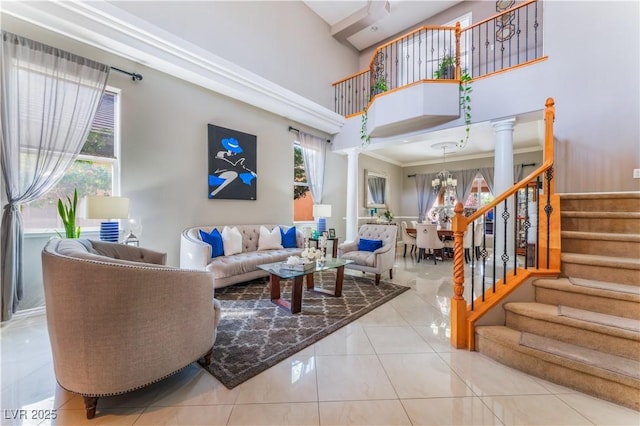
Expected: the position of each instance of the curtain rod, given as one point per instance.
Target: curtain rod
(523, 165)
(293, 129)
(134, 76)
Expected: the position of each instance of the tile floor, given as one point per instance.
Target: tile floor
(394, 366)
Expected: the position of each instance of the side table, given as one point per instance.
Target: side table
(335, 245)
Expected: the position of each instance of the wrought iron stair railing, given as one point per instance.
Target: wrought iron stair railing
(530, 208)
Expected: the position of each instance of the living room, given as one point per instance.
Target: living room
(164, 118)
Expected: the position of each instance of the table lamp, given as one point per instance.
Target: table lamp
(321, 212)
(106, 207)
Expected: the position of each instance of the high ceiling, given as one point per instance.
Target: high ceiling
(364, 23)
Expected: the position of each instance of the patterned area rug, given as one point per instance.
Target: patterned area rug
(255, 334)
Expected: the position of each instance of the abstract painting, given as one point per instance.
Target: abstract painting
(232, 164)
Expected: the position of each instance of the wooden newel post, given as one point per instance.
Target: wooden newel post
(458, 304)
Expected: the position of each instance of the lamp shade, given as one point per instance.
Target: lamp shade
(98, 207)
(321, 210)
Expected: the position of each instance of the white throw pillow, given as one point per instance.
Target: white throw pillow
(269, 240)
(231, 240)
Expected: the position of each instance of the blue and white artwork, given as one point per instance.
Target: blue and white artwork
(232, 164)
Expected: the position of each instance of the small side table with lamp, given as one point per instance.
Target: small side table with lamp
(109, 208)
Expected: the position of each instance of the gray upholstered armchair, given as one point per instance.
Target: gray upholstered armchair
(119, 319)
(377, 261)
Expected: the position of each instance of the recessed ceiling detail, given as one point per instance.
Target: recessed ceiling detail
(361, 19)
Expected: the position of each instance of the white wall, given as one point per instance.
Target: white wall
(164, 158)
(283, 41)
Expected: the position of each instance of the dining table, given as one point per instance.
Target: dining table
(443, 234)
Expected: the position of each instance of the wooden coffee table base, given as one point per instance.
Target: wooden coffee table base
(337, 291)
(295, 305)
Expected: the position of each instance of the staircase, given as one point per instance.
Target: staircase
(583, 329)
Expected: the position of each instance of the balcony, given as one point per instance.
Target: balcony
(413, 83)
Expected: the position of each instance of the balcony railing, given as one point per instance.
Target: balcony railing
(529, 210)
(506, 40)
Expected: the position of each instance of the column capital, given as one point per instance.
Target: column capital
(506, 124)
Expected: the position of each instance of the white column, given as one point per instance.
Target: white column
(503, 180)
(352, 194)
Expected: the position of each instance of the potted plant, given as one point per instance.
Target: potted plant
(388, 215)
(446, 68)
(67, 212)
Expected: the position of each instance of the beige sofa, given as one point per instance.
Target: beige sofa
(236, 268)
(119, 319)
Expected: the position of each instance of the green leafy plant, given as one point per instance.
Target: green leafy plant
(67, 212)
(444, 67)
(465, 104)
(388, 215)
(364, 137)
(378, 87)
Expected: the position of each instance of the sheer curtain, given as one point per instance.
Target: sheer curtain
(314, 151)
(48, 100)
(426, 195)
(465, 183)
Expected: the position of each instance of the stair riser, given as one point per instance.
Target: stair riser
(603, 305)
(616, 226)
(586, 338)
(601, 273)
(601, 247)
(600, 205)
(601, 388)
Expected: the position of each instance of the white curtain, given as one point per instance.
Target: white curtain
(314, 152)
(48, 100)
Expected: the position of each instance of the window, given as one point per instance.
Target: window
(302, 198)
(96, 170)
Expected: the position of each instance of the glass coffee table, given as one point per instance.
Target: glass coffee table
(277, 272)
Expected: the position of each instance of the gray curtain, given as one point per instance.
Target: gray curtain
(488, 175)
(377, 187)
(465, 183)
(314, 152)
(517, 173)
(426, 195)
(48, 100)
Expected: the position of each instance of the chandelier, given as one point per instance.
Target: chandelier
(444, 182)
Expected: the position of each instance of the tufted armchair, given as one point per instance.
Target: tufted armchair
(118, 319)
(377, 261)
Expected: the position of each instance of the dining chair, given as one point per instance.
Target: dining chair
(407, 239)
(427, 241)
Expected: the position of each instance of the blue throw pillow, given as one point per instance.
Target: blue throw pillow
(214, 239)
(369, 245)
(289, 239)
